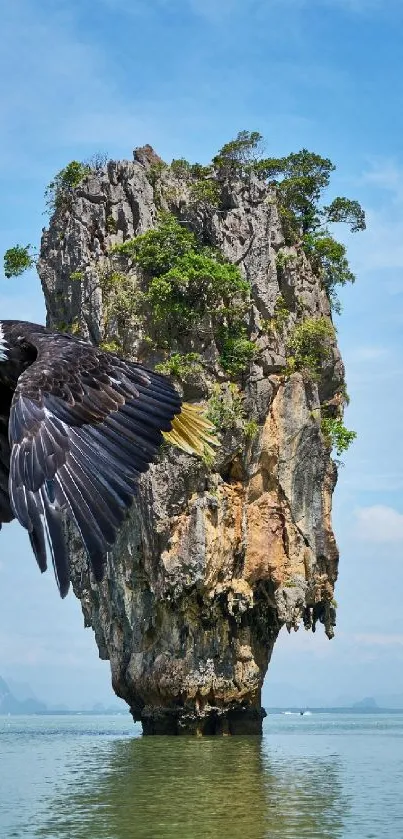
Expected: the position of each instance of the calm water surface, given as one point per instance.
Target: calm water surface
(313, 777)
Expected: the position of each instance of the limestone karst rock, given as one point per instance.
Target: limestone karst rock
(214, 559)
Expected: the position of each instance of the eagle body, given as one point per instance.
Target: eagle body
(77, 428)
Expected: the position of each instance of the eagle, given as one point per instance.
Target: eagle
(78, 426)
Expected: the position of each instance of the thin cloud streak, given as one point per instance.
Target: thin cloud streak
(379, 524)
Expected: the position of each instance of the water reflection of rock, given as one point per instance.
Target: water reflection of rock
(161, 788)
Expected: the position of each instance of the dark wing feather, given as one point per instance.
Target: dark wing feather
(83, 426)
(6, 513)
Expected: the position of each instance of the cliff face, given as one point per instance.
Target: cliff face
(213, 560)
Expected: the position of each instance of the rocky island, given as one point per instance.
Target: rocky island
(223, 277)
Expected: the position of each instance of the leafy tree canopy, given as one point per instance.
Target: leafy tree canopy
(17, 260)
(239, 155)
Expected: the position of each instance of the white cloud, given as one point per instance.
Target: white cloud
(366, 353)
(387, 174)
(381, 246)
(379, 524)
(365, 479)
(377, 639)
(216, 12)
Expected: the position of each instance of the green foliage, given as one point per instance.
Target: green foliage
(187, 283)
(310, 346)
(17, 260)
(72, 327)
(251, 429)
(181, 168)
(269, 168)
(59, 191)
(236, 354)
(226, 411)
(158, 250)
(121, 306)
(300, 179)
(281, 313)
(186, 171)
(343, 209)
(181, 366)
(196, 285)
(329, 261)
(111, 346)
(153, 344)
(155, 171)
(284, 258)
(120, 296)
(336, 435)
(225, 407)
(280, 317)
(200, 171)
(344, 396)
(239, 156)
(77, 276)
(205, 193)
(75, 328)
(305, 176)
(111, 224)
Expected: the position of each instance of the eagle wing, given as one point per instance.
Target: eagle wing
(83, 426)
(6, 513)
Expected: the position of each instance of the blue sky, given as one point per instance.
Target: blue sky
(79, 77)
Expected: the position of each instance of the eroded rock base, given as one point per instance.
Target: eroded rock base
(218, 721)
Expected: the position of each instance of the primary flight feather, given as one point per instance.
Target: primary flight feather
(77, 427)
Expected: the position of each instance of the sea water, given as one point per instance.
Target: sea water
(324, 776)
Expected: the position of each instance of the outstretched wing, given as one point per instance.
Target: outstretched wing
(6, 513)
(83, 425)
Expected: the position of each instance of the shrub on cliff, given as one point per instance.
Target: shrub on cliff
(158, 250)
(60, 189)
(190, 286)
(329, 261)
(336, 435)
(299, 180)
(310, 346)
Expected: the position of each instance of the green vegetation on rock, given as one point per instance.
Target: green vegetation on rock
(59, 192)
(310, 346)
(329, 261)
(226, 410)
(299, 181)
(190, 286)
(336, 435)
(205, 193)
(77, 276)
(181, 366)
(121, 306)
(240, 156)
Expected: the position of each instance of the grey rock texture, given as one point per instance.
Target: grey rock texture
(212, 562)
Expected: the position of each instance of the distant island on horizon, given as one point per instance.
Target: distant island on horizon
(11, 705)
